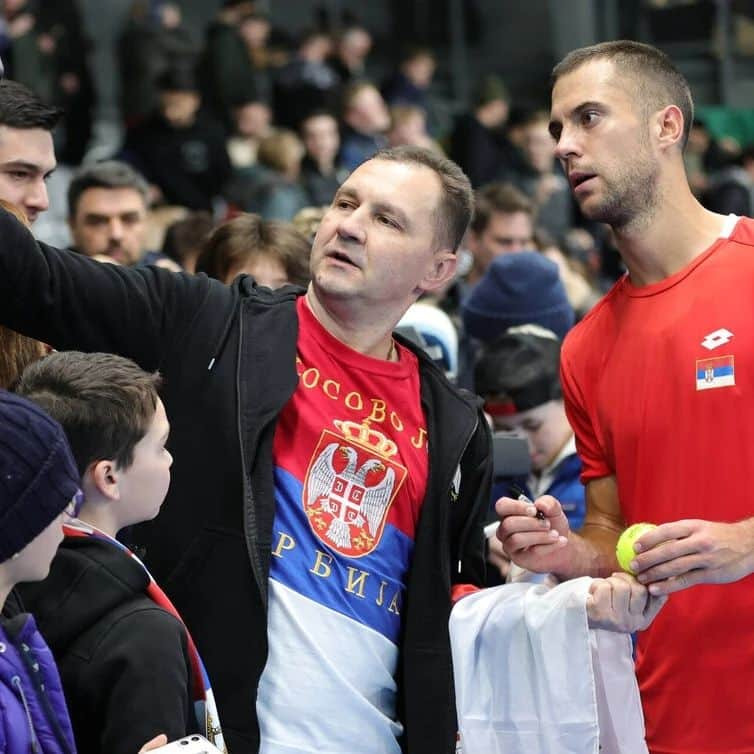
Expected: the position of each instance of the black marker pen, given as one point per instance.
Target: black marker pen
(524, 499)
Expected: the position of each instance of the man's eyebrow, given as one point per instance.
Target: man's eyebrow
(395, 211)
(380, 207)
(347, 192)
(22, 165)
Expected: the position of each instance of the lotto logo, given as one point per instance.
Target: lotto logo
(716, 339)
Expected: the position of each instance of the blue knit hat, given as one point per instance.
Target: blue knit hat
(38, 476)
(516, 289)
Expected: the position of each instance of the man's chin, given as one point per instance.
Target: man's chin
(333, 285)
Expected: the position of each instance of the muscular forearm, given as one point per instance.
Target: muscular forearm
(591, 552)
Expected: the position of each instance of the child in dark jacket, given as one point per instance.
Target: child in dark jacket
(517, 375)
(128, 664)
(39, 485)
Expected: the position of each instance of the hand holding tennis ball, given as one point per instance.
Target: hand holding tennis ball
(624, 550)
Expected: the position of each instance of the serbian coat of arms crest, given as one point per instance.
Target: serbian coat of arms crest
(349, 487)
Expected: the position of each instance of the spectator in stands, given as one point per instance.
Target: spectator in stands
(49, 55)
(252, 121)
(542, 179)
(225, 57)
(274, 191)
(152, 43)
(321, 173)
(254, 29)
(107, 212)
(503, 223)
(410, 84)
(273, 253)
(307, 221)
(366, 120)
(517, 289)
(185, 238)
(408, 126)
(730, 188)
(180, 150)
(478, 142)
(352, 47)
(307, 82)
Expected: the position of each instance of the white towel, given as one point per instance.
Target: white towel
(532, 678)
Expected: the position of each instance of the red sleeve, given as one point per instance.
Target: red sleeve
(459, 591)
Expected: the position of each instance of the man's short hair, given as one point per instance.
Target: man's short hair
(456, 206)
(110, 174)
(503, 198)
(105, 403)
(21, 108)
(661, 82)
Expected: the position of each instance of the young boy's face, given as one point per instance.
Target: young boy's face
(545, 427)
(144, 484)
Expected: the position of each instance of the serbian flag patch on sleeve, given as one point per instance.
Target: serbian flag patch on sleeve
(717, 372)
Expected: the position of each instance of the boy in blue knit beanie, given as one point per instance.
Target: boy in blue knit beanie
(39, 486)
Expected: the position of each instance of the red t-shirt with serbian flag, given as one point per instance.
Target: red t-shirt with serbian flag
(659, 387)
(350, 455)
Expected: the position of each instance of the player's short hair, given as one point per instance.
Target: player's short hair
(660, 82)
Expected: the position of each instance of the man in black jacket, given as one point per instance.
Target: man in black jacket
(329, 484)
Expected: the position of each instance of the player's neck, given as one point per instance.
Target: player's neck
(369, 334)
(678, 231)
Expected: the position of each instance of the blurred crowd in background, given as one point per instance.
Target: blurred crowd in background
(232, 148)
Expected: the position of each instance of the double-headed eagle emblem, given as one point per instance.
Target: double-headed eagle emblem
(350, 486)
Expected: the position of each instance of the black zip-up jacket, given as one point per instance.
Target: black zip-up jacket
(227, 355)
(123, 660)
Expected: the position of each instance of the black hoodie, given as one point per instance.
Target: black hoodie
(123, 660)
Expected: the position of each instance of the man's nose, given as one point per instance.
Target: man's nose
(351, 227)
(116, 228)
(37, 198)
(567, 144)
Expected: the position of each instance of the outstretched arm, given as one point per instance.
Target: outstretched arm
(72, 302)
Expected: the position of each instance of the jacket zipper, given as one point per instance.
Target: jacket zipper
(35, 747)
(248, 492)
(33, 667)
(466, 531)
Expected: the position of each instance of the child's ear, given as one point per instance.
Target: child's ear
(104, 477)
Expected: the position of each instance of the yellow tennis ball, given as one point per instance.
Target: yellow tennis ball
(624, 550)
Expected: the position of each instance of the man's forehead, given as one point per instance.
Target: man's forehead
(104, 200)
(385, 176)
(32, 146)
(595, 80)
(506, 219)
